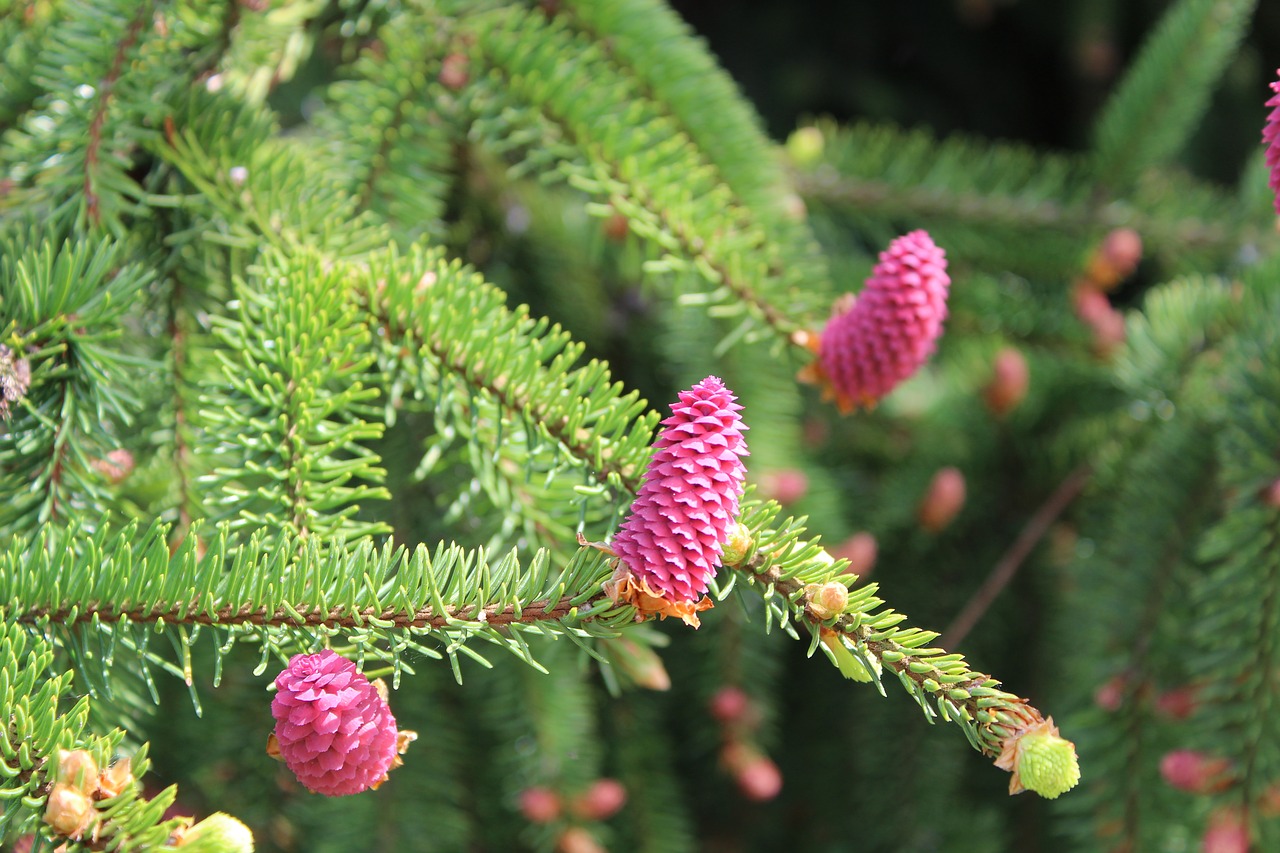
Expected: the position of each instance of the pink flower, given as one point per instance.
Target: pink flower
(883, 336)
(334, 729)
(1271, 139)
(670, 546)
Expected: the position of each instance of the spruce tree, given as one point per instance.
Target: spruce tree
(341, 343)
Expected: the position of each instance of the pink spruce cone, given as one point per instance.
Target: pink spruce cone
(1271, 139)
(670, 546)
(883, 336)
(334, 729)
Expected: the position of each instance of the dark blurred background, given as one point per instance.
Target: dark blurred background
(1028, 71)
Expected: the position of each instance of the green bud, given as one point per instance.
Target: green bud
(805, 146)
(737, 546)
(845, 660)
(218, 833)
(1048, 764)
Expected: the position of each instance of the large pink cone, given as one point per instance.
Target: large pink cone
(333, 729)
(890, 330)
(670, 546)
(1271, 139)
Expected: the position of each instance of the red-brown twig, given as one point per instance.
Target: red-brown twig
(1008, 566)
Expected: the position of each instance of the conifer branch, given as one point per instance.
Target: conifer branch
(794, 576)
(304, 616)
(1149, 117)
(105, 91)
(725, 257)
(1261, 691)
(677, 233)
(629, 475)
(515, 359)
(1037, 214)
(963, 187)
(967, 697)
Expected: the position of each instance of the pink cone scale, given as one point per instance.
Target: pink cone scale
(1271, 139)
(670, 546)
(883, 336)
(334, 730)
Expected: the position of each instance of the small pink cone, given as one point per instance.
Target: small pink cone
(334, 730)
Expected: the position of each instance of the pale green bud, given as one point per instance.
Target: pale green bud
(736, 546)
(218, 833)
(805, 146)
(1048, 764)
(845, 660)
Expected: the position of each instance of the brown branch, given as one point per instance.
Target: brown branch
(187, 614)
(181, 449)
(1008, 565)
(1008, 211)
(297, 500)
(105, 87)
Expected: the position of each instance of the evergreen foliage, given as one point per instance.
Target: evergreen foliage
(340, 320)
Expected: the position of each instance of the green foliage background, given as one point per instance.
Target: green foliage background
(349, 276)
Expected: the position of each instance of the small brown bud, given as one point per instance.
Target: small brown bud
(601, 801)
(1109, 333)
(116, 779)
(1106, 323)
(1090, 304)
(1178, 703)
(115, 466)
(1115, 259)
(78, 770)
(1096, 56)
(15, 379)
(861, 551)
(453, 71)
(1271, 494)
(731, 705)
(757, 776)
(943, 501)
(794, 207)
(69, 811)
(1009, 382)
(786, 486)
(1228, 832)
(815, 433)
(827, 599)
(1196, 772)
(616, 228)
(1269, 802)
(1110, 696)
(577, 839)
(539, 804)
